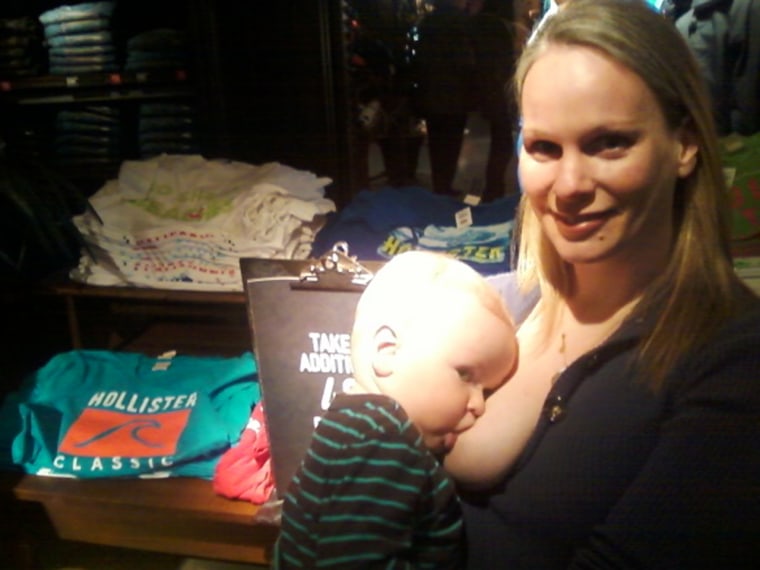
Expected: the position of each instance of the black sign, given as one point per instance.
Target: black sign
(301, 339)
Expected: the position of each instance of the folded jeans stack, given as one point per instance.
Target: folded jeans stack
(88, 135)
(166, 127)
(79, 38)
(20, 48)
(159, 48)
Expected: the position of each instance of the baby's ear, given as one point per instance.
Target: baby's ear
(385, 343)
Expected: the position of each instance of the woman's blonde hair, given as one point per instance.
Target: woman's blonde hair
(698, 289)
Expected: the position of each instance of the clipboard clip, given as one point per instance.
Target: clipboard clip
(336, 270)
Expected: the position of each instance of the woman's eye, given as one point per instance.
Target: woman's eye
(543, 149)
(609, 143)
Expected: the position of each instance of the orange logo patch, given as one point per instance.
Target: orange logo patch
(105, 433)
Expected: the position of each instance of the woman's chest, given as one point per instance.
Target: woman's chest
(596, 428)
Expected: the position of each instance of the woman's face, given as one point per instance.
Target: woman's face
(599, 164)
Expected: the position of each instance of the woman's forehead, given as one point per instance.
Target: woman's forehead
(582, 77)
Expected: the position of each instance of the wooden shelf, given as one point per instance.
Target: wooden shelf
(201, 322)
(60, 284)
(176, 516)
(180, 515)
(92, 87)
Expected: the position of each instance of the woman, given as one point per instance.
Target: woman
(629, 435)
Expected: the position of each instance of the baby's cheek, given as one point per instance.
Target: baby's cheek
(451, 413)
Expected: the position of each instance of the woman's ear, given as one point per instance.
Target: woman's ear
(688, 151)
(384, 346)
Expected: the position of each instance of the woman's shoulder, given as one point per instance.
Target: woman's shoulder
(519, 302)
(745, 322)
(731, 358)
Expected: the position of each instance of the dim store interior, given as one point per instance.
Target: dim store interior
(320, 92)
(253, 83)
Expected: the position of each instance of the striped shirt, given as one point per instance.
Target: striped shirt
(369, 494)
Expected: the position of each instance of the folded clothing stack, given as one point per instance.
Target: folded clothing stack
(79, 38)
(167, 127)
(20, 47)
(22, 55)
(88, 135)
(159, 48)
(183, 221)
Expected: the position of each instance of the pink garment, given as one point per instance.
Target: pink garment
(245, 471)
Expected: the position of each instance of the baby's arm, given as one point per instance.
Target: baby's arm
(367, 495)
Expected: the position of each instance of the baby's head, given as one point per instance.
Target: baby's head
(433, 334)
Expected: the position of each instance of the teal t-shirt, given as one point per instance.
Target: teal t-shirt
(93, 413)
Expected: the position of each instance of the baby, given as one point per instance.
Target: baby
(430, 339)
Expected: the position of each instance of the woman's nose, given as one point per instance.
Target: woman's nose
(573, 175)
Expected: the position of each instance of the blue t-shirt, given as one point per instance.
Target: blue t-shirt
(378, 224)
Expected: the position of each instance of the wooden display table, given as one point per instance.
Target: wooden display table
(176, 516)
(140, 300)
(180, 516)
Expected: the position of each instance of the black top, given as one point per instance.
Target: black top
(615, 476)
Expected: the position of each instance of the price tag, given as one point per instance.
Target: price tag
(471, 199)
(463, 218)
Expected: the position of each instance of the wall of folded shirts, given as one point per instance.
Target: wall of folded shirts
(86, 85)
(83, 86)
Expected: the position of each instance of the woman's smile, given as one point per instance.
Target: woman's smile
(578, 227)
